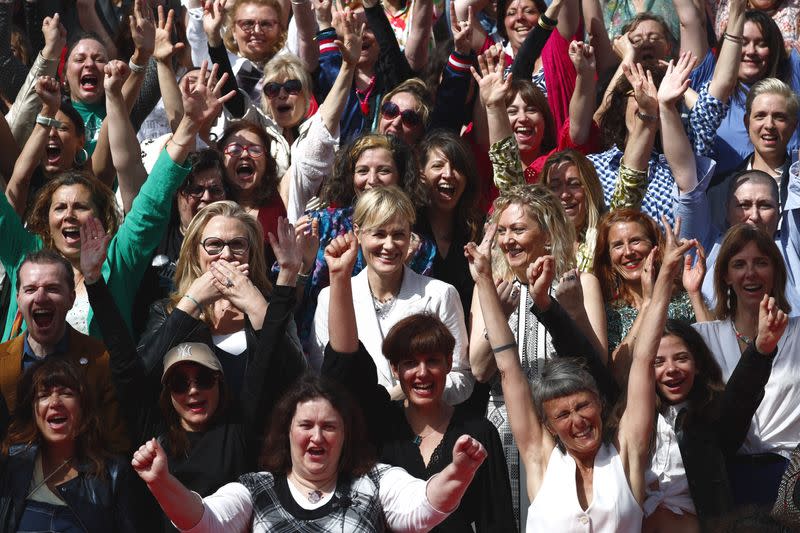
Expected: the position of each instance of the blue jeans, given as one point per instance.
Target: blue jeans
(40, 517)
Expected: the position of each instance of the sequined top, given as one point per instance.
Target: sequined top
(621, 317)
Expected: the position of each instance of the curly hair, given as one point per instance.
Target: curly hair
(90, 442)
(340, 190)
(103, 202)
(357, 456)
(230, 21)
(268, 183)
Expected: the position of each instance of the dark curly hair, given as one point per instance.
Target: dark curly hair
(613, 129)
(357, 457)
(268, 186)
(339, 191)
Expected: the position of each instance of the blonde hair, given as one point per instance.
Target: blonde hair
(542, 206)
(416, 88)
(230, 21)
(772, 86)
(380, 205)
(286, 66)
(188, 267)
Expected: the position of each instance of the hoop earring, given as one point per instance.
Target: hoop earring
(81, 157)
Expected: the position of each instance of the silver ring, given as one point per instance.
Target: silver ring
(228, 282)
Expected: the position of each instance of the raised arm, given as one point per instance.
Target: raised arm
(163, 52)
(726, 71)
(308, 48)
(693, 38)
(581, 105)
(478, 33)
(419, 36)
(341, 255)
(677, 149)
(13, 70)
(445, 489)
(90, 22)
(598, 35)
(213, 18)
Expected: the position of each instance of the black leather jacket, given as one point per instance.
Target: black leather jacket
(99, 503)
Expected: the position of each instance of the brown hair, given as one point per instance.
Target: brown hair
(90, 442)
(48, 256)
(735, 240)
(268, 184)
(421, 333)
(357, 457)
(416, 88)
(534, 97)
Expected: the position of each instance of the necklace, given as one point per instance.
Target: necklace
(47, 478)
(383, 308)
(741, 338)
(314, 496)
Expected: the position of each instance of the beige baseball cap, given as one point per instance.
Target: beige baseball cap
(193, 352)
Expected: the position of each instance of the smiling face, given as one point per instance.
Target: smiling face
(62, 145)
(227, 229)
(520, 238)
(675, 369)
(374, 168)
(244, 172)
(770, 125)
(44, 298)
(57, 412)
(422, 377)
(70, 208)
(370, 51)
(397, 126)
(628, 247)
(196, 406)
(565, 183)
(755, 54)
(386, 246)
(527, 123)
(576, 420)
(755, 204)
(520, 17)
(316, 437)
(445, 182)
(751, 275)
(85, 65)
(287, 109)
(256, 43)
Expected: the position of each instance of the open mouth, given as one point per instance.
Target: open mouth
(72, 236)
(523, 134)
(284, 108)
(753, 288)
(674, 383)
(197, 406)
(43, 318)
(89, 82)
(446, 190)
(316, 451)
(583, 434)
(633, 264)
(57, 422)
(245, 170)
(53, 153)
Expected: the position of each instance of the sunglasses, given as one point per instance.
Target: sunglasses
(197, 191)
(215, 245)
(236, 150)
(409, 117)
(292, 87)
(179, 383)
(248, 25)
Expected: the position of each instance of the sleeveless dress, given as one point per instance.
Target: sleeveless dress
(613, 508)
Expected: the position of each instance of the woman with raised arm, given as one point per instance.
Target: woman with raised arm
(211, 433)
(419, 433)
(65, 202)
(578, 469)
(319, 476)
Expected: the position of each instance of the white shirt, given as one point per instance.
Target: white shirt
(667, 485)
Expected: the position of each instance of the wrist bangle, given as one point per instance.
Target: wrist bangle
(135, 68)
(733, 38)
(48, 122)
(303, 278)
(504, 347)
(195, 302)
(548, 24)
(645, 117)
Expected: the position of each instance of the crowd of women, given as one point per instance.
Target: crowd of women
(405, 266)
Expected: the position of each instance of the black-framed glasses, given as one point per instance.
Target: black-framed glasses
(180, 383)
(215, 245)
(236, 150)
(198, 191)
(273, 89)
(409, 117)
(249, 25)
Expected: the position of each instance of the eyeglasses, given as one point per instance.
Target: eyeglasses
(248, 25)
(180, 383)
(273, 89)
(638, 40)
(215, 245)
(236, 150)
(409, 117)
(198, 191)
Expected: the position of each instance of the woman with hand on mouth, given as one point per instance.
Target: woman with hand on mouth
(386, 291)
(749, 272)
(58, 474)
(319, 476)
(417, 434)
(209, 425)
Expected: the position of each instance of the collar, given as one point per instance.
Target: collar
(777, 172)
(62, 347)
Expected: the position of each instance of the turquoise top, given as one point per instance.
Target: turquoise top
(93, 115)
(129, 251)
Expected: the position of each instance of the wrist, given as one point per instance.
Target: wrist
(140, 58)
(647, 116)
(48, 111)
(51, 53)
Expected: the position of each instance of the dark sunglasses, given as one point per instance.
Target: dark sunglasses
(179, 383)
(273, 89)
(198, 191)
(409, 117)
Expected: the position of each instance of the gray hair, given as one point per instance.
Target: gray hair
(561, 377)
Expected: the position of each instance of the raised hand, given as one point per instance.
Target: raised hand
(649, 274)
(116, 72)
(540, 276)
(569, 292)
(202, 102)
(674, 249)
(509, 296)
(350, 42)
(288, 246)
(479, 257)
(55, 37)
(694, 274)
(49, 91)
(461, 30)
(624, 48)
(493, 88)
(213, 17)
(322, 11)
(164, 49)
(582, 57)
(341, 254)
(771, 325)
(236, 286)
(143, 28)
(150, 462)
(468, 454)
(644, 89)
(94, 248)
(310, 228)
(676, 79)
(204, 291)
